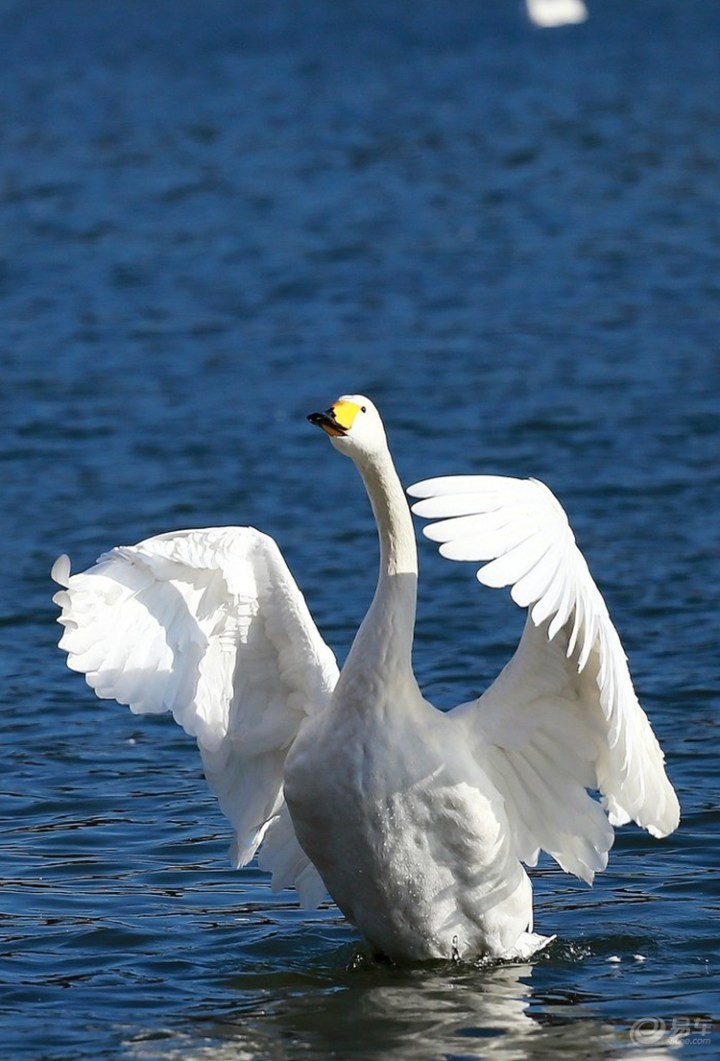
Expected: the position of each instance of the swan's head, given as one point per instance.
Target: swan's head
(354, 426)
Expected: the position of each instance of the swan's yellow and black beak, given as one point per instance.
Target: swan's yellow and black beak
(338, 419)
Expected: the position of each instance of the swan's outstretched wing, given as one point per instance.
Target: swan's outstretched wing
(562, 717)
(210, 625)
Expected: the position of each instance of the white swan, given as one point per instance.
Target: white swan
(416, 821)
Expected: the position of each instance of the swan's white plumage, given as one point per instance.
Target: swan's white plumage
(562, 716)
(417, 822)
(209, 625)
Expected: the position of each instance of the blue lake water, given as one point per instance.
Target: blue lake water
(214, 219)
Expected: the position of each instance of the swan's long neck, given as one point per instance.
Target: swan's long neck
(383, 645)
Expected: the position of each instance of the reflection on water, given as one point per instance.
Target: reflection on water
(449, 1011)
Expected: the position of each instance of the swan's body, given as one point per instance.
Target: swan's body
(417, 822)
(407, 832)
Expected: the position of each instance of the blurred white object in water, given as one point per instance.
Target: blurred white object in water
(556, 12)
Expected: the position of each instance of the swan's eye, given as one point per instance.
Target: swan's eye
(363, 409)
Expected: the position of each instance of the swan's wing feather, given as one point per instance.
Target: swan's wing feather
(562, 717)
(282, 855)
(209, 625)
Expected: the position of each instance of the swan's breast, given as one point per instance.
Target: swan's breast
(410, 841)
